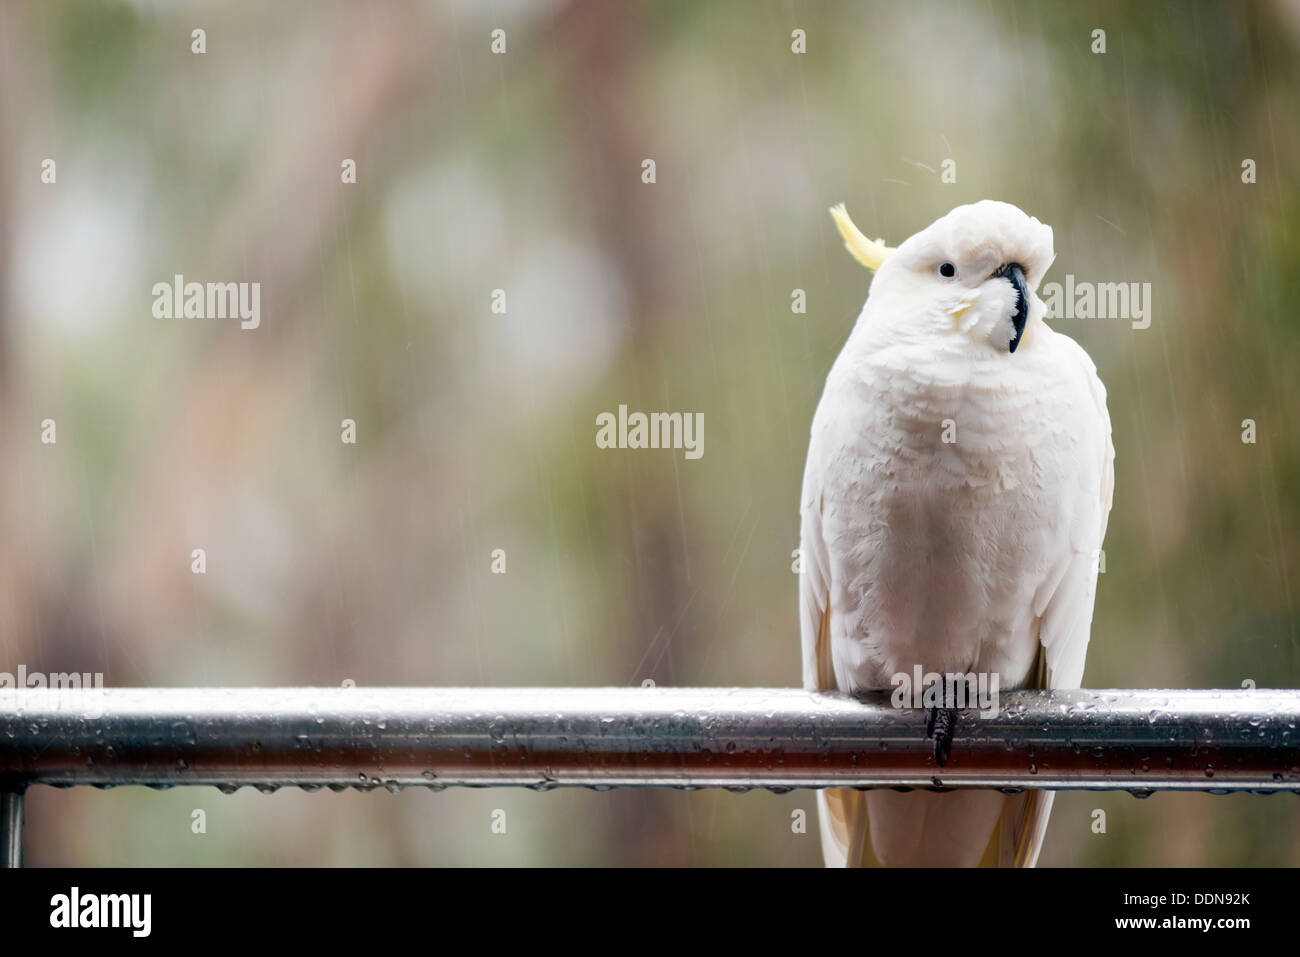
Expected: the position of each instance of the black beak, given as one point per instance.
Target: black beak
(1014, 273)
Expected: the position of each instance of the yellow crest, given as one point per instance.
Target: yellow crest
(871, 253)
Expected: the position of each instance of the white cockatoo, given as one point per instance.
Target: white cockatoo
(958, 483)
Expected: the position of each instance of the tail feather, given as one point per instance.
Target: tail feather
(842, 820)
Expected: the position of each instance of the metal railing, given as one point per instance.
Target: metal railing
(735, 738)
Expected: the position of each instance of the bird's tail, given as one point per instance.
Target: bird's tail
(842, 820)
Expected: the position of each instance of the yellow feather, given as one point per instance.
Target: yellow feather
(871, 253)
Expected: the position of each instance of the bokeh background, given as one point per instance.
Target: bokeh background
(372, 562)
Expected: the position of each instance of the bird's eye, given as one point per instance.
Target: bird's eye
(947, 270)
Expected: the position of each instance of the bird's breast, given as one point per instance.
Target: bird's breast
(938, 510)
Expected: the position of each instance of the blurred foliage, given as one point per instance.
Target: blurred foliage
(476, 430)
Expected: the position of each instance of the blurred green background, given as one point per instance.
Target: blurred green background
(522, 172)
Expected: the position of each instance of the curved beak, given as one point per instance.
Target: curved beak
(1014, 273)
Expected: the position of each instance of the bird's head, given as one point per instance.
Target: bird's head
(973, 273)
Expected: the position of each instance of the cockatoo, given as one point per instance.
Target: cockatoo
(959, 479)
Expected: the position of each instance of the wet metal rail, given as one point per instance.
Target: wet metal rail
(738, 738)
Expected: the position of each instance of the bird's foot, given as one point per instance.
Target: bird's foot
(940, 725)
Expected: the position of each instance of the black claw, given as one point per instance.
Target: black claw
(940, 725)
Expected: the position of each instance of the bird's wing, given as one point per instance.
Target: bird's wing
(814, 591)
(841, 813)
(1063, 605)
